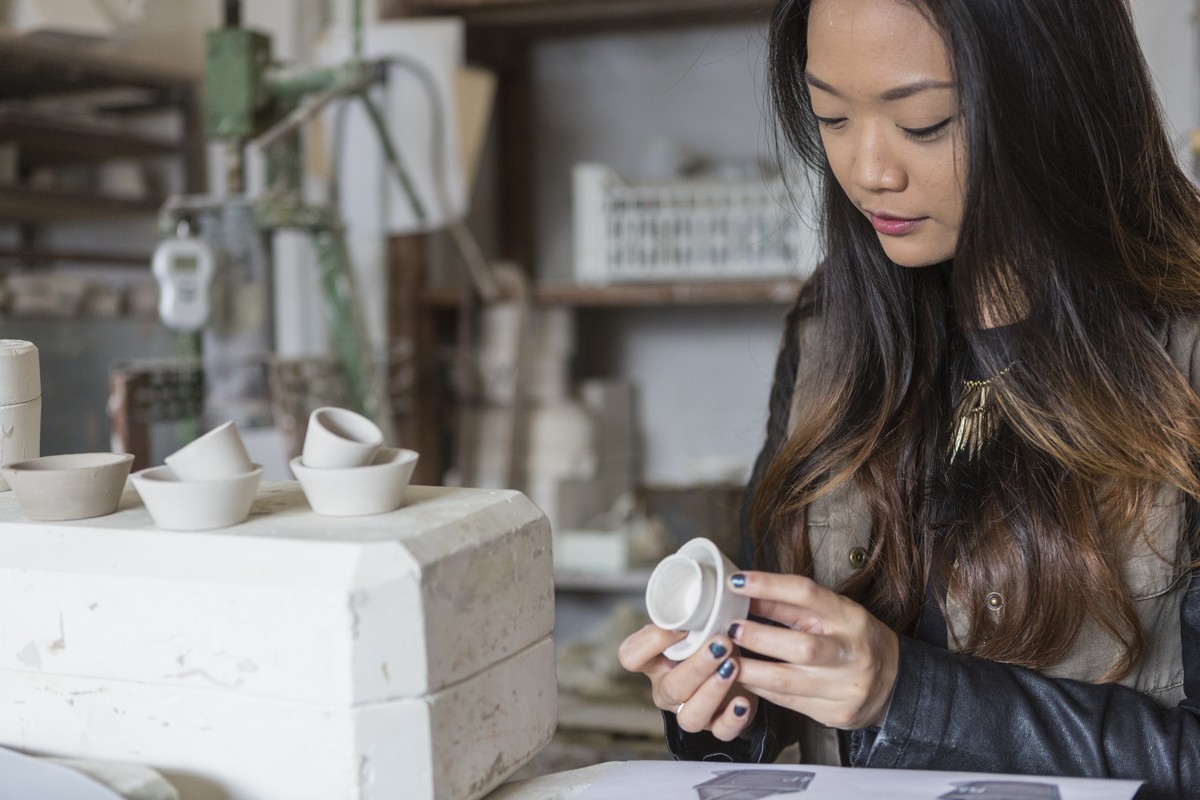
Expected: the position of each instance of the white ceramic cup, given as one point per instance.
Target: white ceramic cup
(338, 438)
(680, 594)
(216, 455)
(678, 600)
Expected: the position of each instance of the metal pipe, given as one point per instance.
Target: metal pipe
(233, 13)
(358, 30)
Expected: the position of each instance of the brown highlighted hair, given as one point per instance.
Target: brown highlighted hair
(1077, 221)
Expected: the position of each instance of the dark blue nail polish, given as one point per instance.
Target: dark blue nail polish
(737, 581)
(717, 649)
(740, 711)
(734, 629)
(726, 669)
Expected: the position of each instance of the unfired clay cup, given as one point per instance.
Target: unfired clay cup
(74, 486)
(338, 438)
(358, 491)
(179, 505)
(217, 455)
(678, 596)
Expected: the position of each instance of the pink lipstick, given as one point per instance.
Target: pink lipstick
(892, 226)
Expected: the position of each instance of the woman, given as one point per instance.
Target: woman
(973, 512)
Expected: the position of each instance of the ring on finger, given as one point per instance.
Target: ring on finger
(679, 708)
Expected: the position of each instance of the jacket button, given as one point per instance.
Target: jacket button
(995, 601)
(858, 557)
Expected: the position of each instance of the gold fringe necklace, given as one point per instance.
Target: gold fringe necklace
(975, 417)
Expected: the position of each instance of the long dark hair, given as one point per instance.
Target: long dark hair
(1078, 222)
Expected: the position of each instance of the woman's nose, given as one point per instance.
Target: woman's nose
(876, 166)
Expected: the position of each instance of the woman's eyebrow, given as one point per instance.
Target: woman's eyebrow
(897, 93)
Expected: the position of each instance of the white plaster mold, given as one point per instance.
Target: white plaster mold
(409, 650)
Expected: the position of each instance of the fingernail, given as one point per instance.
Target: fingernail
(717, 649)
(740, 711)
(726, 669)
(737, 581)
(734, 629)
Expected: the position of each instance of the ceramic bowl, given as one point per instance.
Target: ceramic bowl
(179, 505)
(358, 491)
(217, 455)
(338, 438)
(73, 486)
(703, 613)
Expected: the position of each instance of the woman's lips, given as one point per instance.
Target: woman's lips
(895, 226)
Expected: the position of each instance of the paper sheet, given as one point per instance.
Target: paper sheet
(670, 780)
(26, 778)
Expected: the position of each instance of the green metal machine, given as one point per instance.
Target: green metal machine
(253, 102)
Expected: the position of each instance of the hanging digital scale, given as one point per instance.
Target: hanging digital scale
(184, 268)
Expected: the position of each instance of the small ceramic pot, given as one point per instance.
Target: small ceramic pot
(680, 594)
(20, 403)
(338, 438)
(358, 491)
(74, 486)
(688, 591)
(217, 455)
(180, 505)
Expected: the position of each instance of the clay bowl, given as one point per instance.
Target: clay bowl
(72, 486)
(178, 505)
(357, 491)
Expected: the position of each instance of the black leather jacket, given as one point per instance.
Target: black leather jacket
(961, 713)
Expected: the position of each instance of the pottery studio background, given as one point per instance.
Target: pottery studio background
(626, 398)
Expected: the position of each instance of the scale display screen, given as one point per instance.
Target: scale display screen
(188, 264)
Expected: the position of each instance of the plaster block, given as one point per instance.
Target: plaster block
(456, 744)
(288, 605)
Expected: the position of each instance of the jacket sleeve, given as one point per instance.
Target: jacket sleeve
(959, 713)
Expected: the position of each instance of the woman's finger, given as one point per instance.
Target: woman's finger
(642, 649)
(785, 644)
(737, 714)
(794, 617)
(788, 591)
(705, 703)
(686, 677)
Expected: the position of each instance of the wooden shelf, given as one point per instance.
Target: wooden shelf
(21, 204)
(44, 140)
(584, 15)
(33, 69)
(709, 293)
(633, 581)
(42, 256)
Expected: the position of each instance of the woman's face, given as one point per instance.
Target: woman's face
(882, 91)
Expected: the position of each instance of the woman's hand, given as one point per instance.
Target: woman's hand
(700, 690)
(838, 662)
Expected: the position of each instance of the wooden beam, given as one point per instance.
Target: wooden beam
(412, 374)
(584, 15)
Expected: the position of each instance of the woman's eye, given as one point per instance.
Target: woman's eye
(926, 134)
(833, 123)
